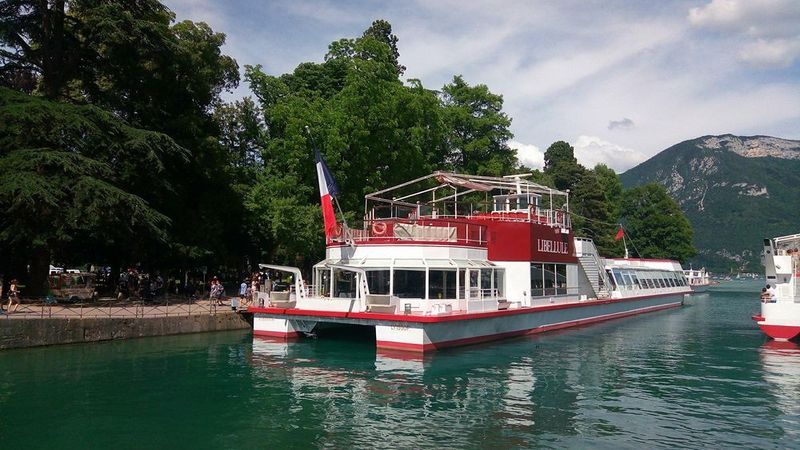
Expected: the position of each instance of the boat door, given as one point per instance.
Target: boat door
(473, 290)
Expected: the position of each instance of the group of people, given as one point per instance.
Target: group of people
(13, 296)
(139, 285)
(768, 293)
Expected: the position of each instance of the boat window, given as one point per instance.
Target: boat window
(537, 280)
(441, 284)
(344, 284)
(486, 281)
(378, 281)
(635, 280)
(499, 282)
(409, 283)
(561, 279)
(323, 281)
(618, 277)
(611, 277)
(549, 279)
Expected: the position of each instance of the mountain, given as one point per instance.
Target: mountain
(735, 190)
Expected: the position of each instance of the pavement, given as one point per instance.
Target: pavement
(113, 308)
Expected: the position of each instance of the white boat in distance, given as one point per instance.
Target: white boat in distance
(451, 259)
(699, 280)
(780, 309)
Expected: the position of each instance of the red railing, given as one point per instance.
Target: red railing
(407, 231)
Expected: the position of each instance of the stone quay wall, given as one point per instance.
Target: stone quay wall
(51, 331)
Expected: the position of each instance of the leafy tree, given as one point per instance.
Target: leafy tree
(78, 174)
(612, 188)
(656, 225)
(372, 129)
(382, 31)
(560, 164)
(37, 40)
(129, 58)
(593, 214)
(478, 130)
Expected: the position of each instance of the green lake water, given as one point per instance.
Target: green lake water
(698, 376)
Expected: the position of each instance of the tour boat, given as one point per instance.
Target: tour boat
(698, 280)
(780, 309)
(452, 259)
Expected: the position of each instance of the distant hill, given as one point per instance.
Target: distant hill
(735, 190)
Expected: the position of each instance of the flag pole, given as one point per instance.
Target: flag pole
(335, 199)
(624, 241)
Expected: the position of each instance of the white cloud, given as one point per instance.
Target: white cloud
(753, 17)
(591, 150)
(770, 53)
(770, 28)
(528, 154)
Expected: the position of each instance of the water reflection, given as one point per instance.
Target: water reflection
(781, 369)
(659, 381)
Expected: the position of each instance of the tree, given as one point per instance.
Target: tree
(656, 225)
(78, 174)
(130, 59)
(37, 39)
(478, 130)
(382, 31)
(560, 164)
(373, 130)
(593, 213)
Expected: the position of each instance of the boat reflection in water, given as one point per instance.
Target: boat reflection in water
(781, 362)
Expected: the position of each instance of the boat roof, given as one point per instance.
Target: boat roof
(410, 190)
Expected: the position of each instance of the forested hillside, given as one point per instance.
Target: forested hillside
(734, 190)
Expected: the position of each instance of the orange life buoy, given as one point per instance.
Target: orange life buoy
(337, 230)
(378, 228)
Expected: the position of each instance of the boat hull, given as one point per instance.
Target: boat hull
(699, 289)
(430, 333)
(779, 320)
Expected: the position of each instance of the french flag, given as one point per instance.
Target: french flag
(327, 190)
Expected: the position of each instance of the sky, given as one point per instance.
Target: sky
(619, 80)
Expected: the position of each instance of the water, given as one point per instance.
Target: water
(698, 376)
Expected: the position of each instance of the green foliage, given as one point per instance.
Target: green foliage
(478, 130)
(656, 225)
(77, 173)
(373, 131)
(560, 165)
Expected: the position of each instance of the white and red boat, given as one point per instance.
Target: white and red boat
(780, 308)
(699, 280)
(451, 259)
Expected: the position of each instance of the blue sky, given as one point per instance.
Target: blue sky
(619, 80)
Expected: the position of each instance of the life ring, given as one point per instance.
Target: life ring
(337, 230)
(378, 228)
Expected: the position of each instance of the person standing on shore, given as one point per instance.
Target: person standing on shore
(13, 296)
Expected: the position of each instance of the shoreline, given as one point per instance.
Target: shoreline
(46, 325)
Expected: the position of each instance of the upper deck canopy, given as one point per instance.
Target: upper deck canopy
(426, 187)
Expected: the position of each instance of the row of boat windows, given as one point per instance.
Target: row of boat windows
(548, 279)
(646, 279)
(442, 283)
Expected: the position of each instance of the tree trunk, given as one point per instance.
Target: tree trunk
(52, 44)
(40, 269)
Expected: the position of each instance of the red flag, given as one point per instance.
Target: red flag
(620, 234)
(327, 189)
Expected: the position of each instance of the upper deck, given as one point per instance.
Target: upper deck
(457, 210)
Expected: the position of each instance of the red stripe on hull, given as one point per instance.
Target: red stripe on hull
(782, 332)
(493, 337)
(277, 334)
(453, 316)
